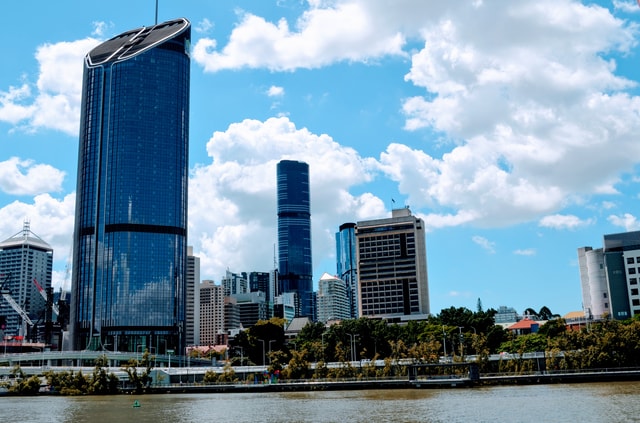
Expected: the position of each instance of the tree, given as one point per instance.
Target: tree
(143, 380)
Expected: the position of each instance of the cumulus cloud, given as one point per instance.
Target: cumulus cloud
(560, 221)
(533, 109)
(488, 246)
(628, 221)
(23, 177)
(53, 102)
(327, 32)
(232, 200)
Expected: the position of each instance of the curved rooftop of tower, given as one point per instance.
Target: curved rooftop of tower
(136, 41)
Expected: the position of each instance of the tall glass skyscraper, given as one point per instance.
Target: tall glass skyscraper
(346, 264)
(294, 235)
(130, 250)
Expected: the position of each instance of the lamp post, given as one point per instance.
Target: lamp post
(241, 355)
(138, 349)
(444, 342)
(461, 344)
(270, 341)
(322, 337)
(262, 340)
(352, 345)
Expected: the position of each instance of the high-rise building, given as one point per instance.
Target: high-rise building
(130, 238)
(347, 264)
(192, 306)
(212, 318)
(609, 277)
(295, 270)
(23, 258)
(392, 267)
(235, 283)
(332, 299)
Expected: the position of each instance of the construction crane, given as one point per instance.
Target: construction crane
(6, 294)
(54, 306)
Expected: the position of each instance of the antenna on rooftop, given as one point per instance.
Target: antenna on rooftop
(156, 12)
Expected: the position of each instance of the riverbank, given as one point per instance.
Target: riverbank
(430, 383)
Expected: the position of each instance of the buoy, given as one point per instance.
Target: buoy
(136, 404)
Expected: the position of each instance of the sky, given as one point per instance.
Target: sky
(510, 128)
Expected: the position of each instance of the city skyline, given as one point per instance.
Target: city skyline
(516, 146)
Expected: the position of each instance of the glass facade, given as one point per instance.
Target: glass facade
(129, 272)
(347, 265)
(294, 235)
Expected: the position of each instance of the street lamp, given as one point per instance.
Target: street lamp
(270, 341)
(461, 344)
(241, 355)
(322, 337)
(138, 349)
(444, 342)
(352, 345)
(262, 340)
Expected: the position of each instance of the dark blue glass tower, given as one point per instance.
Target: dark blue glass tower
(294, 235)
(129, 268)
(346, 263)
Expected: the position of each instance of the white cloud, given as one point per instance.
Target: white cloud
(204, 26)
(537, 114)
(628, 221)
(39, 178)
(327, 32)
(487, 245)
(525, 252)
(275, 91)
(628, 6)
(232, 200)
(560, 221)
(55, 104)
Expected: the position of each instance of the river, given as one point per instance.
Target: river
(588, 402)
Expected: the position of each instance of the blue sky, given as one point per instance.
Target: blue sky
(509, 127)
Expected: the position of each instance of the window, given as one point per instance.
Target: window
(633, 281)
(634, 291)
(604, 295)
(629, 260)
(632, 270)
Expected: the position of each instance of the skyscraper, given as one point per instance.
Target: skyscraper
(192, 332)
(347, 265)
(295, 271)
(392, 267)
(130, 251)
(23, 258)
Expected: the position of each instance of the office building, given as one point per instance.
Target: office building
(192, 306)
(212, 318)
(347, 264)
(332, 298)
(252, 307)
(130, 250)
(609, 277)
(392, 267)
(295, 271)
(23, 258)
(235, 283)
